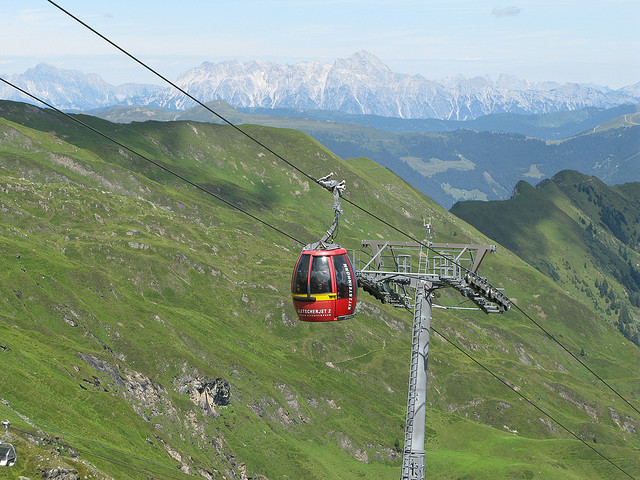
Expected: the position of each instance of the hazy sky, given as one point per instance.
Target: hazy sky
(586, 41)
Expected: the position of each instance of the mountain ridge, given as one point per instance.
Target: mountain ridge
(549, 126)
(359, 84)
(450, 163)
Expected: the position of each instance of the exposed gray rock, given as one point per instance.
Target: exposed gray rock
(60, 474)
(204, 392)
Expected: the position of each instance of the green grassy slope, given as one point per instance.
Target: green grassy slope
(126, 293)
(578, 231)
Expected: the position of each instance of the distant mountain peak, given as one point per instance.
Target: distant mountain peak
(363, 61)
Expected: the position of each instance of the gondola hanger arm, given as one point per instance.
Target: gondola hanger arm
(337, 189)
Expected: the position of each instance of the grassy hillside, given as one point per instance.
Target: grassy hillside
(147, 330)
(578, 231)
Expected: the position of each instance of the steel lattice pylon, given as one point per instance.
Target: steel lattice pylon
(386, 271)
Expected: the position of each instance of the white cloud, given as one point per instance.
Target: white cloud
(506, 12)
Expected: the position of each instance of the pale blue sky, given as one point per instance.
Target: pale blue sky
(588, 41)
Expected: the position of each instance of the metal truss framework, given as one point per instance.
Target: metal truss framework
(405, 274)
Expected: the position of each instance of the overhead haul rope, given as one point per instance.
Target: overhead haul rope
(240, 130)
(284, 233)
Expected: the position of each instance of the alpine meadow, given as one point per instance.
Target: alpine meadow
(147, 330)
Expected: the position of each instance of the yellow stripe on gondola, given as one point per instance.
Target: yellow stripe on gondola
(319, 297)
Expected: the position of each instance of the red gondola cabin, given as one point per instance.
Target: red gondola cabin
(324, 286)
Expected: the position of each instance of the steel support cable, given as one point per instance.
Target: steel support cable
(157, 164)
(461, 350)
(283, 159)
(228, 122)
(93, 442)
(576, 358)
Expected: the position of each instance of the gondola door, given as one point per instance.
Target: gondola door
(346, 287)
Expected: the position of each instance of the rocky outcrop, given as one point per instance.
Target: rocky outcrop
(209, 394)
(148, 399)
(206, 393)
(60, 474)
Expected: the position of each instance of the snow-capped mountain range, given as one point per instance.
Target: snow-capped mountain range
(360, 84)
